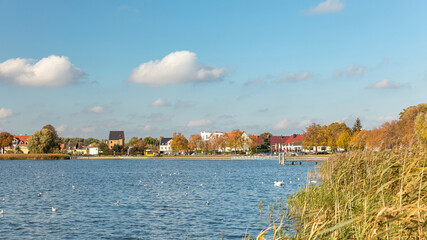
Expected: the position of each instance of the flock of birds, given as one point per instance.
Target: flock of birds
(117, 203)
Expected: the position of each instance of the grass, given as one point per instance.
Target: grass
(49, 156)
(363, 195)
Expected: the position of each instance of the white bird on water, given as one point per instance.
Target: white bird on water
(140, 182)
(39, 194)
(54, 209)
(207, 203)
(3, 200)
(74, 188)
(278, 183)
(1, 211)
(117, 203)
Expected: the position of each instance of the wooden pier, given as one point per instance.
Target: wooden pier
(299, 159)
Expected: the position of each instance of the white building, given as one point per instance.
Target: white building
(165, 145)
(93, 150)
(207, 135)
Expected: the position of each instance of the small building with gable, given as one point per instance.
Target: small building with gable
(116, 138)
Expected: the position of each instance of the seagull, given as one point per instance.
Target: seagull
(299, 179)
(186, 194)
(278, 183)
(74, 188)
(3, 200)
(207, 203)
(54, 209)
(1, 211)
(140, 182)
(39, 194)
(117, 203)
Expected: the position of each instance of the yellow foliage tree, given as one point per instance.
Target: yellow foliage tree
(344, 140)
(179, 143)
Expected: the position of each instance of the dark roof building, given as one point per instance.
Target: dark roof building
(116, 135)
(164, 141)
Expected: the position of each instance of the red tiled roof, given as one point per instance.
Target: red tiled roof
(295, 139)
(22, 140)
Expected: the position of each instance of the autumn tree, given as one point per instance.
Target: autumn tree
(179, 143)
(5, 140)
(220, 143)
(421, 126)
(103, 147)
(333, 132)
(42, 141)
(152, 143)
(252, 142)
(314, 136)
(344, 140)
(358, 140)
(195, 142)
(140, 146)
(235, 140)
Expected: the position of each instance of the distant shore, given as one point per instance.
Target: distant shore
(52, 156)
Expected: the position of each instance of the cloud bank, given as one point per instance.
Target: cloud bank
(295, 77)
(328, 6)
(4, 113)
(52, 71)
(96, 109)
(386, 84)
(350, 71)
(177, 67)
(159, 103)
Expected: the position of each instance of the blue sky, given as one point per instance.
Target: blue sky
(152, 68)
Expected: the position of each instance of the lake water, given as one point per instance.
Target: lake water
(170, 202)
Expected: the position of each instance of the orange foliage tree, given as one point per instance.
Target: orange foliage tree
(179, 143)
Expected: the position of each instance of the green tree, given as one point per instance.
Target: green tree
(152, 143)
(5, 140)
(89, 141)
(103, 148)
(132, 141)
(357, 126)
(42, 141)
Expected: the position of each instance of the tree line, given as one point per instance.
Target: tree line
(411, 125)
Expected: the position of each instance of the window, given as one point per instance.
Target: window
(323, 148)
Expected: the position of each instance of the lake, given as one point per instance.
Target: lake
(158, 199)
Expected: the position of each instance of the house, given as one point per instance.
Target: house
(243, 138)
(93, 150)
(293, 143)
(206, 136)
(165, 145)
(75, 148)
(20, 143)
(116, 138)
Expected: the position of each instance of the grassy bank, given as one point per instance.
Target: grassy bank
(34, 156)
(365, 195)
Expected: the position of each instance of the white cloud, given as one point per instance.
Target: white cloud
(304, 123)
(147, 128)
(285, 123)
(350, 71)
(386, 84)
(295, 77)
(96, 109)
(52, 71)
(199, 123)
(4, 112)
(61, 128)
(177, 67)
(385, 118)
(159, 103)
(328, 6)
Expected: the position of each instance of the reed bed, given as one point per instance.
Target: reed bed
(363, 195)
(52, 156)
